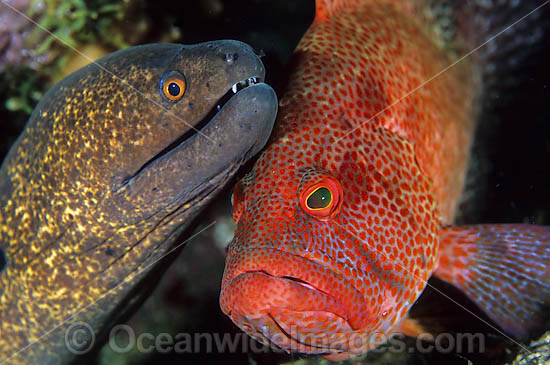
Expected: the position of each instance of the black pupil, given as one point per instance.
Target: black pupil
(174, 89)
(320, 198)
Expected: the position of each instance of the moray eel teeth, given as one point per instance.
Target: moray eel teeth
(244, 83)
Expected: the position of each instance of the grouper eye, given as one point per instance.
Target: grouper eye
(172, 85)
(322, 199)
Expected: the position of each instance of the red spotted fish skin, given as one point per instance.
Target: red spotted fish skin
(356, 111)
(347, 69)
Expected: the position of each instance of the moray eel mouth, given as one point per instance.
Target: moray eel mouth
(232, 92)
(235, 89)
(188, 165)
(198, 128)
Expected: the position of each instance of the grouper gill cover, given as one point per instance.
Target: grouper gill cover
(114, 163)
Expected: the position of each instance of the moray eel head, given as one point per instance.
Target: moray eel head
(192, 113)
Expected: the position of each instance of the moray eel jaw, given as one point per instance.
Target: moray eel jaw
(113, 165)
(225, 104)
(180, 172)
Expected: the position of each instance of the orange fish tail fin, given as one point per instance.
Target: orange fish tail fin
(503, 268)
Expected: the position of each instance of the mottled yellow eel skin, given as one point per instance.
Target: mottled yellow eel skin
(108, 173)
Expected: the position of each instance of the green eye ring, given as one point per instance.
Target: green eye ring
(319, 198)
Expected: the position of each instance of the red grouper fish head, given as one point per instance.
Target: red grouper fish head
(333, 244)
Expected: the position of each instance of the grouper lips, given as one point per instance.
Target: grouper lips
(290, 303)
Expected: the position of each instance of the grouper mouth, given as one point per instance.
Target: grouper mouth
(200, 126)
(298, 305)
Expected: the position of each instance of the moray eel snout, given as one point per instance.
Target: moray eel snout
(227, 101)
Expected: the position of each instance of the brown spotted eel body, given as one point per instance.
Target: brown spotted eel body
(113, 164)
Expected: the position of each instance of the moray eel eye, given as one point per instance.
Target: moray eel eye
(173, 85)
(322, 199)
